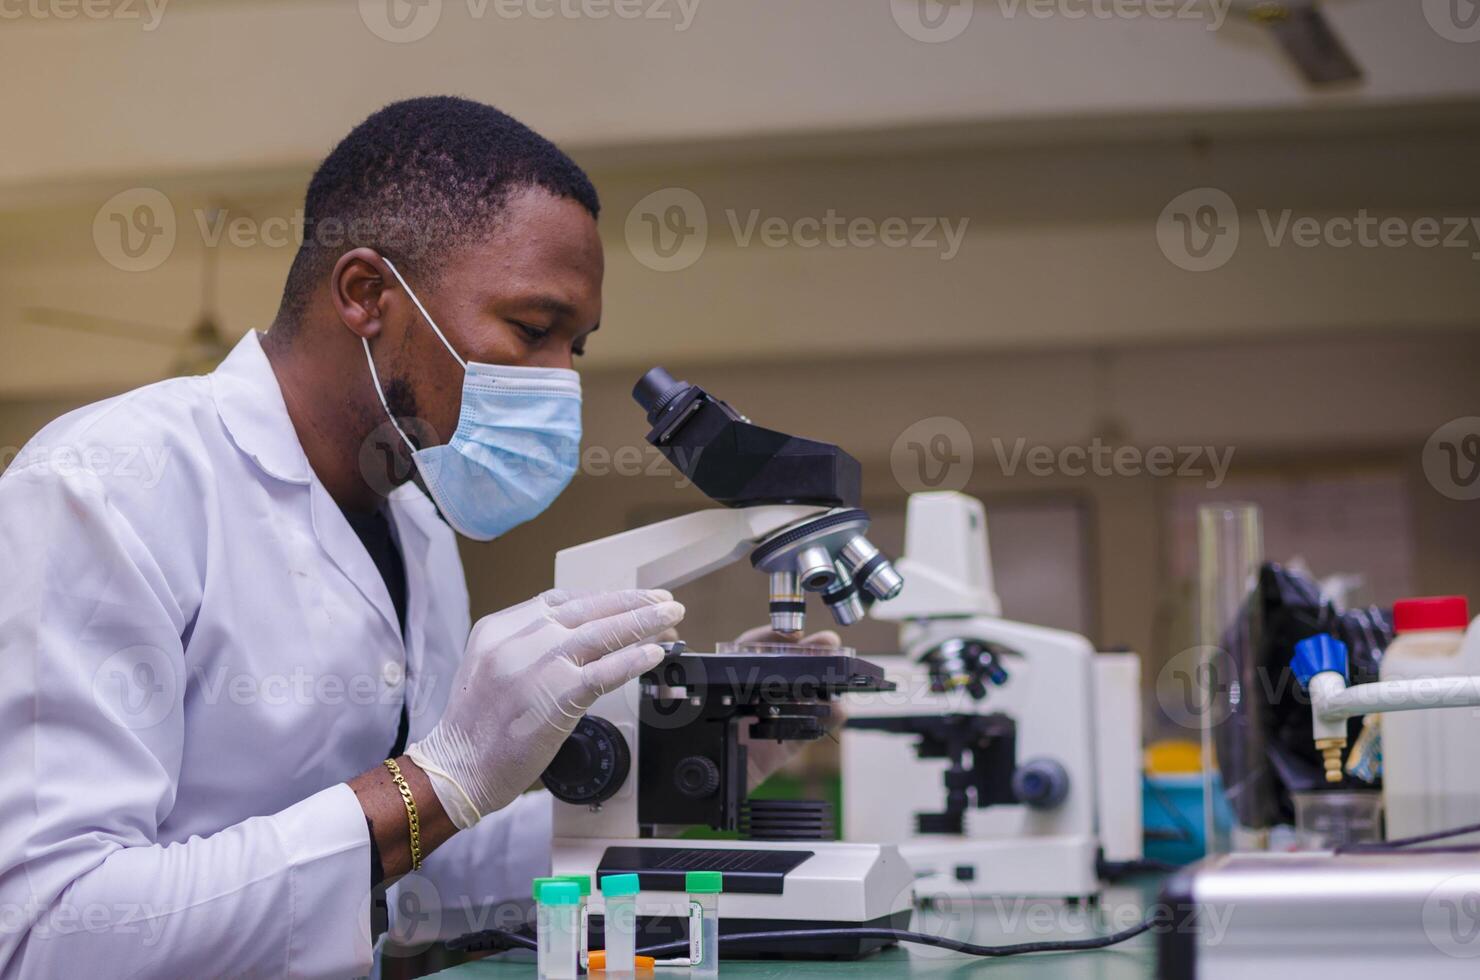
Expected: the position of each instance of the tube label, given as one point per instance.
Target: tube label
(696, 934)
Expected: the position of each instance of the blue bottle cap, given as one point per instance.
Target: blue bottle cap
(1317, 654)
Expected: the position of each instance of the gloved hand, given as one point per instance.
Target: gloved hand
(528, 675)
(763, 758)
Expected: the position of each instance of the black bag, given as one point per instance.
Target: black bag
(1263, 734)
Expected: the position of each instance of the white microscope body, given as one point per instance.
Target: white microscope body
(822, 882)
(1070, 706)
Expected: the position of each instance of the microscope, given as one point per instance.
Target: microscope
(665, 753)
(1030, 737)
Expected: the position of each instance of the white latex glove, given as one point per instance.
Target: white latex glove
(762, 758)
(528, 675)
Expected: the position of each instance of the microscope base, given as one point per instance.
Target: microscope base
(1021, 867)
(768, 885)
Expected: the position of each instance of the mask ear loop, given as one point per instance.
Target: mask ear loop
(427, 316)
(375, 377)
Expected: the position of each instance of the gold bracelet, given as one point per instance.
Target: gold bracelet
(411, 817)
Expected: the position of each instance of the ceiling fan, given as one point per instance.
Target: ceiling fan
(1301, 28)
(197, 351)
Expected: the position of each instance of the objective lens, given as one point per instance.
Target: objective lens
(788, 605)
(871, 570)
(842, 599)
(815, 569)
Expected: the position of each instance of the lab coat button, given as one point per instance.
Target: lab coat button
(392, 673)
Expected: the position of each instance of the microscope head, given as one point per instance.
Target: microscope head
(736, 462)
(740, 464)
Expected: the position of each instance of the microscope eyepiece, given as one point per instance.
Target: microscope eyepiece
(656, 390)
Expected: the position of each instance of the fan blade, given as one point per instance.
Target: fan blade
(1307, 37)
(108, 326)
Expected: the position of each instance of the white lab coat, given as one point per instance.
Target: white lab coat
(196, 653)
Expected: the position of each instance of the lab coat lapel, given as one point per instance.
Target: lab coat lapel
(343, 546)
(250, 403)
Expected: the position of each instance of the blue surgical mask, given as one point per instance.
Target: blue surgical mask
(516, 447)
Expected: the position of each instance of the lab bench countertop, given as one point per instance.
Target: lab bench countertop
(988, 921)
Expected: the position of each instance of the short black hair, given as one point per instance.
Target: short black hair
(417, 179)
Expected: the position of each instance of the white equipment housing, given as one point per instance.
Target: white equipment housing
(840, 882)
(1070, 704)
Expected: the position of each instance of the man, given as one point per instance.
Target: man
(205, 676)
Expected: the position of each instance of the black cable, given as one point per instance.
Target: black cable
(501, 939)
(919, 938)
(491, 940)
(1401, 842)
(1113, 871)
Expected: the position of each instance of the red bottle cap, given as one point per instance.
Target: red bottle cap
(1443, 612)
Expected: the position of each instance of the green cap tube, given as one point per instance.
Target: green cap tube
(583, 882)
(540, 883)
(560, 893)
(615, 886)
(704, 882)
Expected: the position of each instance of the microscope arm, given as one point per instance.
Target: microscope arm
(673, 552)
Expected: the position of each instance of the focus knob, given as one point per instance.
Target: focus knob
(1041, 783)
(592, 764)
(696, 777)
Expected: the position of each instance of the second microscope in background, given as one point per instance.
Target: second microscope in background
(1008, 759)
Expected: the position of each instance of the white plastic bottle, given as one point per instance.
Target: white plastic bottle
(704, 889)
(1430, 779)
(558, 946)
(619, 892)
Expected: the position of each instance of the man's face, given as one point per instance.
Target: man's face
(530, 296)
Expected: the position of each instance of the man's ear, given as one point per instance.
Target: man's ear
(357, 288)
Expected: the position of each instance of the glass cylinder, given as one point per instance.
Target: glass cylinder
(1230, 548)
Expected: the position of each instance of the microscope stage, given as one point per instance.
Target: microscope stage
(769, 676)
